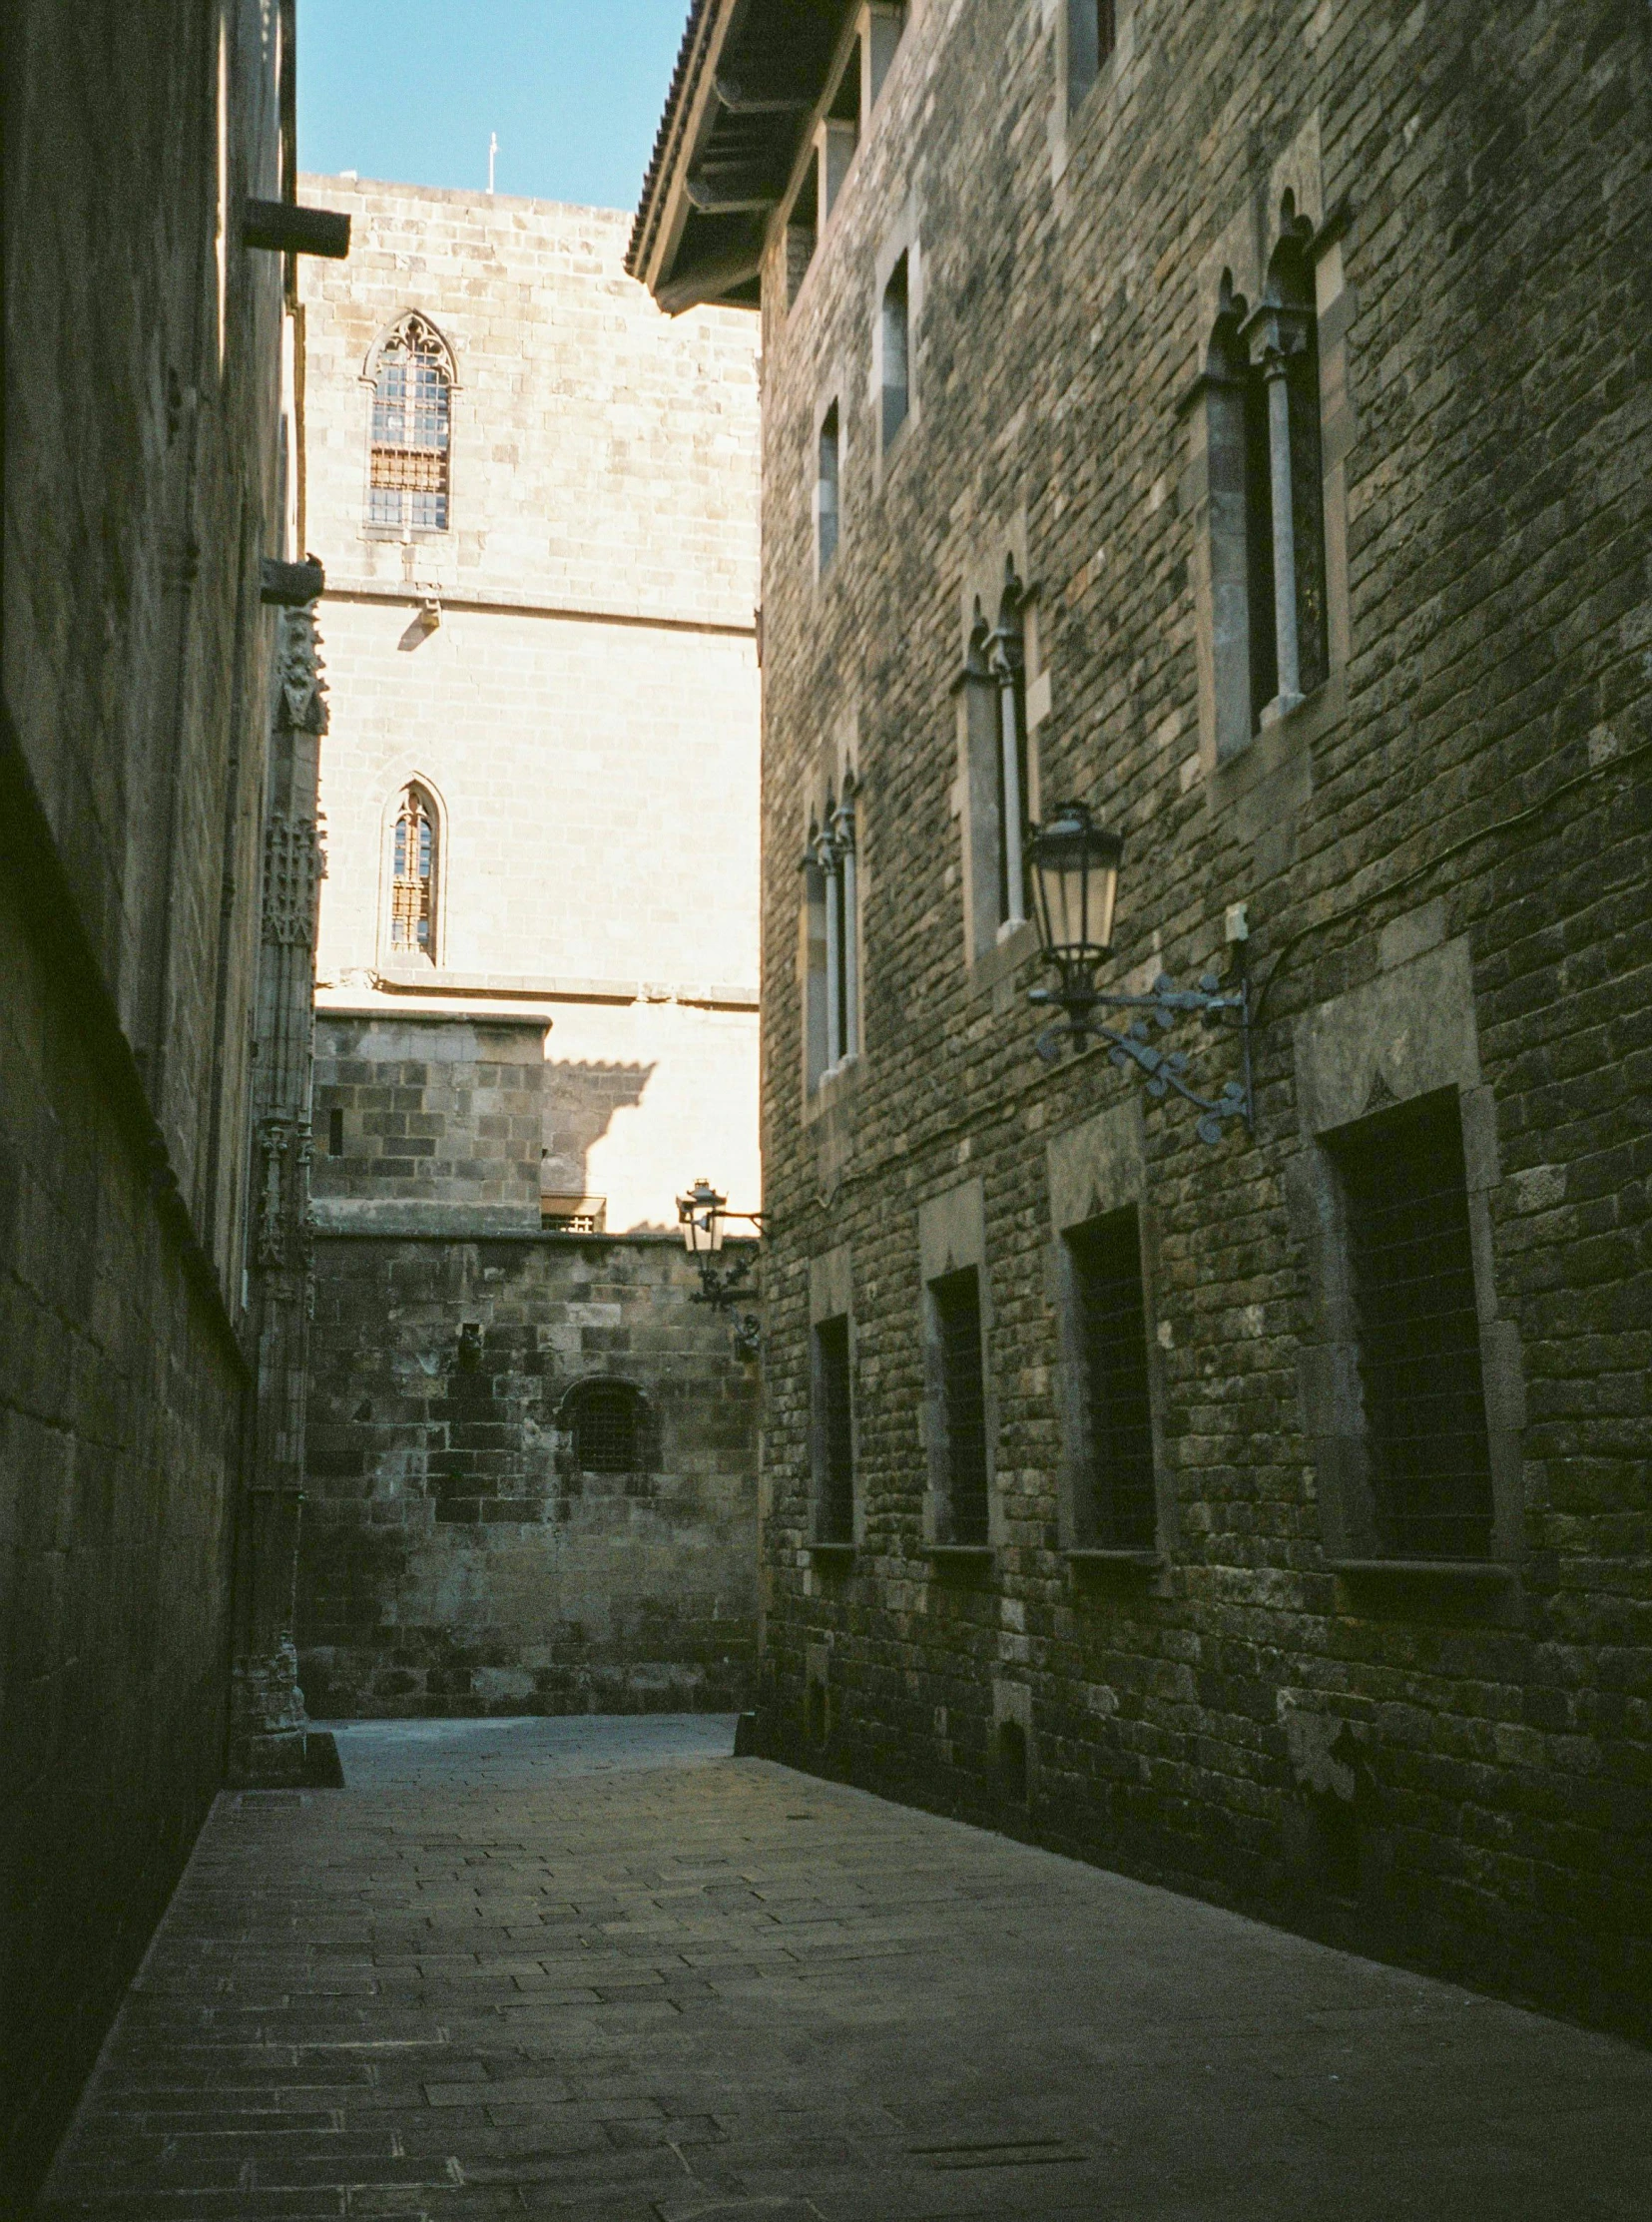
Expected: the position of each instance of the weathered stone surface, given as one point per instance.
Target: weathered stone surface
(456, 1559)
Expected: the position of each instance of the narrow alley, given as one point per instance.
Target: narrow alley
(600, 1968)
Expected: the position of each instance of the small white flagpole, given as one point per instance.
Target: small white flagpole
(492, 150)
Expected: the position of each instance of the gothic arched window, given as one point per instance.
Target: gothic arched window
(413, 862)
(411, 425)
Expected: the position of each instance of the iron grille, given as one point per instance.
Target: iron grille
(1112, 1318)
(957, 1301)
(607, 1438)
(1418, 1330)
(836, 1424)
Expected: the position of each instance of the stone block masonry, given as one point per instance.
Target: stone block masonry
(460, 1555)
(1442, 850)
(143, 440)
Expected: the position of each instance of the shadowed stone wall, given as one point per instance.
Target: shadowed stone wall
(456, 1557)
(142, 422)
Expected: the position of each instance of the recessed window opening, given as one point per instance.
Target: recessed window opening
(1112, 1323)
(409, 470)
(413, 876)
(1092, 34)
(335, 1133)
(956, 1298)
(827, 478)
(835, 1416)
(802, 231)
(1263, 367)
(1012, 1761)
(896, 352)
(1417, 1325)
(832, 893)
(605, 1417)
(841, 131)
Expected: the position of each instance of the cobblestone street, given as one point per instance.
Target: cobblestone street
(601, 1969)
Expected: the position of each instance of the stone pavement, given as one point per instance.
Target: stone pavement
(600, 1970)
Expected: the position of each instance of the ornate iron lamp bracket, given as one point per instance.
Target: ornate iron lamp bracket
(1161, 1069)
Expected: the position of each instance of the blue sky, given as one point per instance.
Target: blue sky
(410, 91)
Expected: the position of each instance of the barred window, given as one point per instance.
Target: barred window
(834, 1418)
(896, 328)
(413, 876)
(606, 1420)
(957, 1311)
(1112, 1323)
(407, 476)
(1417, 1330)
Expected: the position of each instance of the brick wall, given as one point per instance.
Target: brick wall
(1443, 856)
(457, 1559)
(140, 489)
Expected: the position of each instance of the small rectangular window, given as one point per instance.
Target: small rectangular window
(335, 1133)
(1111, 1336)
(834, 1421)
(826, 490)
(1417, 1325)
(896, 354)
(957, 1310)
(1092, 34)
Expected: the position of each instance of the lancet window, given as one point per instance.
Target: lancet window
(414, 864)
(408, 480)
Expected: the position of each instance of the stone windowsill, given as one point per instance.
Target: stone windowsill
(1083, 1555)
(1492, 1572)
(834, 1090)
(959, 1554)
(840, 1551)
(1279, 750)
(1006, 958)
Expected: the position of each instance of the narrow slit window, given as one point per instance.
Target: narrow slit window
(1111, 1336)
(413, 876)
(335, 1133)
(412, 430)
(834, 1418)
(897, 347)
(957, 1310)
(826, 484)
(1416, 1324)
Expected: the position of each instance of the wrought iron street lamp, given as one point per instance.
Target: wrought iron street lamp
(1075, 872)
(703, 1215)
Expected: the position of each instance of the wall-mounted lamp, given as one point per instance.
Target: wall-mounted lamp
(1075, 876)
(704, 1215)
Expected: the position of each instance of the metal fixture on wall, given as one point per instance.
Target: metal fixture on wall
(704, 1215)
(1075, 874)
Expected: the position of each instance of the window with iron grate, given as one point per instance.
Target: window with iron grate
(606, 1422)
(408, 479)
(957, 1310)
(1112, 1320)
(413, 876)
(1417, 1330)
(834, 1418)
